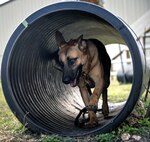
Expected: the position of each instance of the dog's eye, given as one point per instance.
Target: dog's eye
(72, 61)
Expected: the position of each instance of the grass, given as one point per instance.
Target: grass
(108, 137)
(118, 92)
(9, 125)
(142, 129)
(12, 130)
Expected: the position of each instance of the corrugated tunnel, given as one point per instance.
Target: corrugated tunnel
(31, 82)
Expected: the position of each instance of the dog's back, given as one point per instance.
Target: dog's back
(104, 59)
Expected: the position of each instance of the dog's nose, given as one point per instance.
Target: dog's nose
(66, 80)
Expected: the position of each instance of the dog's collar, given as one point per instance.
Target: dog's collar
(88, 81)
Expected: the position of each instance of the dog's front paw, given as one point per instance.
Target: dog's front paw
(105, 110)
(92, 119)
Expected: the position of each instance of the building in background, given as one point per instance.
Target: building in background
(13, 13)
(136, 13)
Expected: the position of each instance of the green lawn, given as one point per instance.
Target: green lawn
(9, 125)
(12, 130)
(118, 92)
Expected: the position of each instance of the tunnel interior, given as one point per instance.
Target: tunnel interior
(38, 92)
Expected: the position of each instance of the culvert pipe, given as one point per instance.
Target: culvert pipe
(31, 83)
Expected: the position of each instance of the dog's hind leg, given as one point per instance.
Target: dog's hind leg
(105, 108)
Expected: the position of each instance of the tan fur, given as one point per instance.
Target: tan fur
(91, 65)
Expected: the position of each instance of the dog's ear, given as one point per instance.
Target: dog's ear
(59, 39)
(82, 43)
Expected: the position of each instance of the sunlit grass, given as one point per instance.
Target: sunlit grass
(118, 92)
(9, 124)
(11, 128)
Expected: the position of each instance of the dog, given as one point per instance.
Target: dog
(86, 62)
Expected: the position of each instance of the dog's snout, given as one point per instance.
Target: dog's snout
(66, 80)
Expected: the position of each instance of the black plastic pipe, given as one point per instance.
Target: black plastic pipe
(32, 85)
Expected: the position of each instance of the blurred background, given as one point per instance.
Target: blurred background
(135, 13)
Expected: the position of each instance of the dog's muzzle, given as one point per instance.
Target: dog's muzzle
(72, 79)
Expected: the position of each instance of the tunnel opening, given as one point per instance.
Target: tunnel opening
(31, 82)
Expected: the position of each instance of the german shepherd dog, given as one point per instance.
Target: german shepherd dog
(86, 62)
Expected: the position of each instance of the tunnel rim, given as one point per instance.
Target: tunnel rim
(95, 10)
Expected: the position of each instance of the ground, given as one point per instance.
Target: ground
(135, 128)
